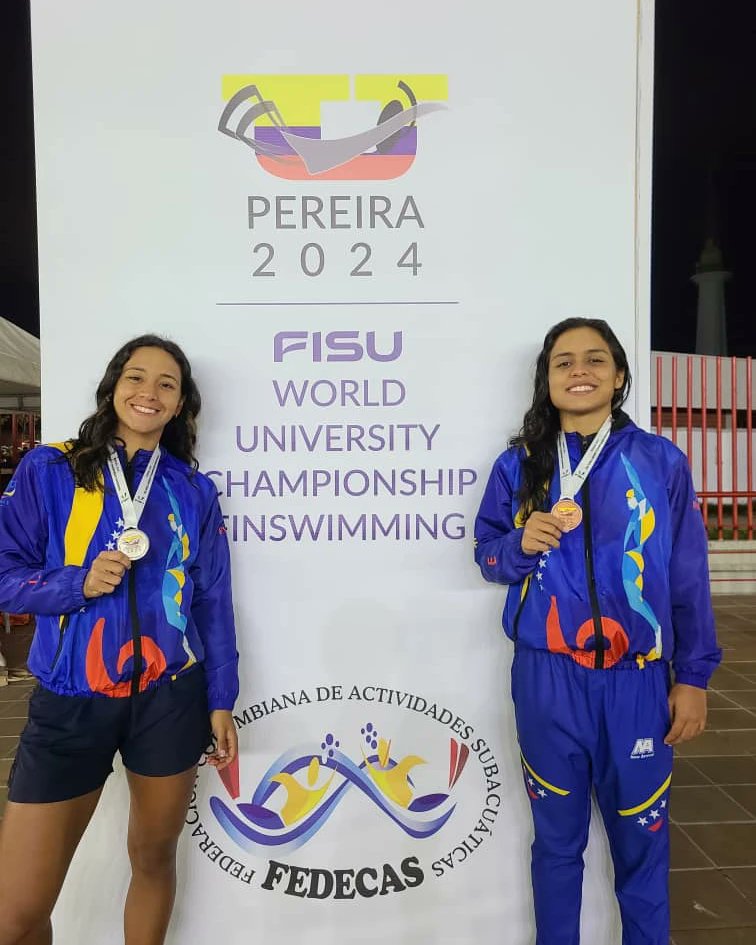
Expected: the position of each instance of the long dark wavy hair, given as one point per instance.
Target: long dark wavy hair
(540, 425)
(88, 453)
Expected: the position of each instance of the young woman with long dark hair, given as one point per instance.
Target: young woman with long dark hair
(595, 526)
(116, 543)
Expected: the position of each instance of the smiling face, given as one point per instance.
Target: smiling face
(583, 379)
(146, 397)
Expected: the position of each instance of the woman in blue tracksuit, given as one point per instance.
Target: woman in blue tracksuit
(117, 544)
(595, 526)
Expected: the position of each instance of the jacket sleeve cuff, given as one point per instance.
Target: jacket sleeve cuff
(699, 680)
(520, 560)
(523, 557)
(78, 600)
(220, 700)
(223, 686)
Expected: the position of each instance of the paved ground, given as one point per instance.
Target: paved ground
(713, 806)
(13, 699)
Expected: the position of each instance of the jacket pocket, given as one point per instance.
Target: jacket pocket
(61, 635)
(524, 591)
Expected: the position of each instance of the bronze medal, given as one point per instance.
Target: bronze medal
(568, 512)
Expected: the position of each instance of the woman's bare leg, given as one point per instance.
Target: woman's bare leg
(37, 843)
(156, 816)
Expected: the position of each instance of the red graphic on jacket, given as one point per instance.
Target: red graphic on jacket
(98, 677)
(616, 642)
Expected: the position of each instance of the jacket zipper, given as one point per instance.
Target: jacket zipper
(61, 634)
(136, 633)
(590, 574)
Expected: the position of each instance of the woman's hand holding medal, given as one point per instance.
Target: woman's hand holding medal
(106, 573)
(542, 532)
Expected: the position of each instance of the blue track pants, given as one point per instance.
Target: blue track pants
(582, 729)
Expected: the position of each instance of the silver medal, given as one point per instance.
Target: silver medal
(134, 543)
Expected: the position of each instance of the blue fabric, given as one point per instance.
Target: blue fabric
(582, 730)
(643, 530)
(181, 588)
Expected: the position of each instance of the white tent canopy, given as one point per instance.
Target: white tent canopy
(19, 360)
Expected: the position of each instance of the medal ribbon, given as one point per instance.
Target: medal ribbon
(132, 508)
(569, 482)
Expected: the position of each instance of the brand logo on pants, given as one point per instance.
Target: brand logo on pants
(644, 748)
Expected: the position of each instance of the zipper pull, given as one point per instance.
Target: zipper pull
(641, 661)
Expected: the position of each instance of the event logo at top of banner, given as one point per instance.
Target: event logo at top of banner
(280, 118)
(407, 781)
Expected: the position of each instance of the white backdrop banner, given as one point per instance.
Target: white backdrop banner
(358, 222)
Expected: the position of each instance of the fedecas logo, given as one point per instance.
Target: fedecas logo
(389, 751)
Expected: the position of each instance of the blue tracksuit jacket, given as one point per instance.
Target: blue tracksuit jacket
(630, 582)
(173, 607)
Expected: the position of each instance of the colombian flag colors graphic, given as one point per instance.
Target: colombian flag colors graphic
(280, 118)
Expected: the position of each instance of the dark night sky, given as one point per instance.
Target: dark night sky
(19, 300)
(704, 165)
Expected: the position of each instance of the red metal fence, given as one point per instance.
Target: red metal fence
(19, 432)
(705, 406)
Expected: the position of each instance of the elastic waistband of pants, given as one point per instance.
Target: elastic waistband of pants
(635, 662)
(169, 678)
(155, 684)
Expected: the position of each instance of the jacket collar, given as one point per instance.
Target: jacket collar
(139, 460)
(621, 424)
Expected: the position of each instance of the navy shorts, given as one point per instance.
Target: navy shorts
(68, 745)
